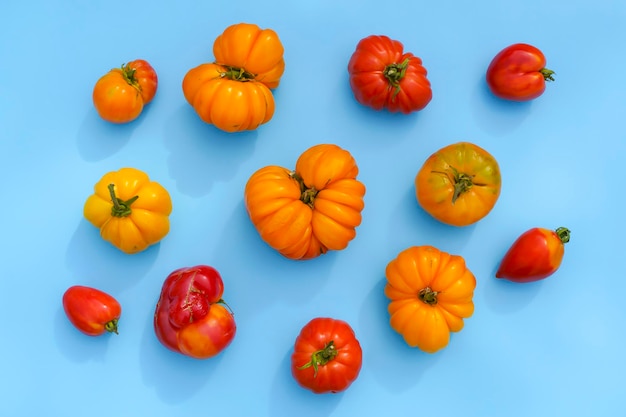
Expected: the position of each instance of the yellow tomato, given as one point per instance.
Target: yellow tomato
(131, 211)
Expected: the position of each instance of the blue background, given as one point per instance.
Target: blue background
(549, 348)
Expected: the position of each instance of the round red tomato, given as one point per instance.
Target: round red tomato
(91, 311)
(518, 73)
(383, 76)
(120, 95)
(327, 357)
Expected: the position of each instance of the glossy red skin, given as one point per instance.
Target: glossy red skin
(337, 374)
(146, 77)
(90, 309)
(191, 317)
(370, 86)
(515, 73)
(534, 256)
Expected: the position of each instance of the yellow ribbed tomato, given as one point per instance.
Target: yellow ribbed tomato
(131, 211)
(256, 51)
(430, 294)
(306, 212)
(228, 99)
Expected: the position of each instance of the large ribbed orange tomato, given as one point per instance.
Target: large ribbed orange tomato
(430, 294)
(257, 51)
(308, 211)
(227, 98)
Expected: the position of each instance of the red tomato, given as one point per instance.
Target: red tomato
(518, 73)
(191, 318)
(535, 255)
(91, 311)
(383, 76)
(120, 94)
(327, 357)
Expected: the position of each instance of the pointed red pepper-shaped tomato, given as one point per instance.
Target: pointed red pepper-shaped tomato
(191, 317)
(535, 255)
(518, 73)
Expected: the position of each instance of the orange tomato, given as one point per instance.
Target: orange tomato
(227, 98)
(459, 184)
(430, 294)
(306, 212)
(120, 95)
(257, 51)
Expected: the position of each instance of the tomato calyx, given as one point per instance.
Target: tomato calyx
(307, 194)
(428, 296)
(120, 207)
(111, 326)
(129, 76)
(462, 182)
(237, 74)
(394, 73)
(321, 357)
(563, 233)
(547, 74)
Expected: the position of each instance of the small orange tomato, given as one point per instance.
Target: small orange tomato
(120, 95)
(227, 98)
(459, 184)
(306, 212)
(256, 51)
(430, 293)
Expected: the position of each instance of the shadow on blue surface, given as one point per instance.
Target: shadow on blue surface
(98, 139)
(95, 262)
(495, 115)
(201, 154)
(74, 345)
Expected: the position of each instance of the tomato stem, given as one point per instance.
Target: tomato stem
(321, 357)
(462, 182)
(394, 73)
(428, 296)
(129, 76)
(237, 74)
(307, 195)
(111, 326)
(120, 208)
(563, 233)
(547, 74)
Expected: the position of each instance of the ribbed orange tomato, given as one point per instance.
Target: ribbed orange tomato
(459, 184)
(306, 212)
(227, 98)
(430, 293)
(257, 51)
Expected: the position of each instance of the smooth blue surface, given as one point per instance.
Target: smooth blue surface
(553, 348)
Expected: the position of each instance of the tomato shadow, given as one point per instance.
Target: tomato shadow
(290, 399)
(411, 225)
(95, 262)
(174, 377)
(506, 297)
(396, 366)
(258, 275)
(98, 139)
(495, 115)
(76, 346)
(201, 154)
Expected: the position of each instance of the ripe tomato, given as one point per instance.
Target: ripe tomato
(327, 357)
(383, 76)
(120, 95)
(430, 293)
(535, 255)
(459, 184)
(191, 317)
(91, 311)
(518, 73)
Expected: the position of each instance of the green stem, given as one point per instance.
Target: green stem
(237, 74)
(307, 195)
(120, 208)
(563, 233)
(394, 73)
(321, 357)
(111, 326)
(547, 74)
(428, 296)
(462, 182)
